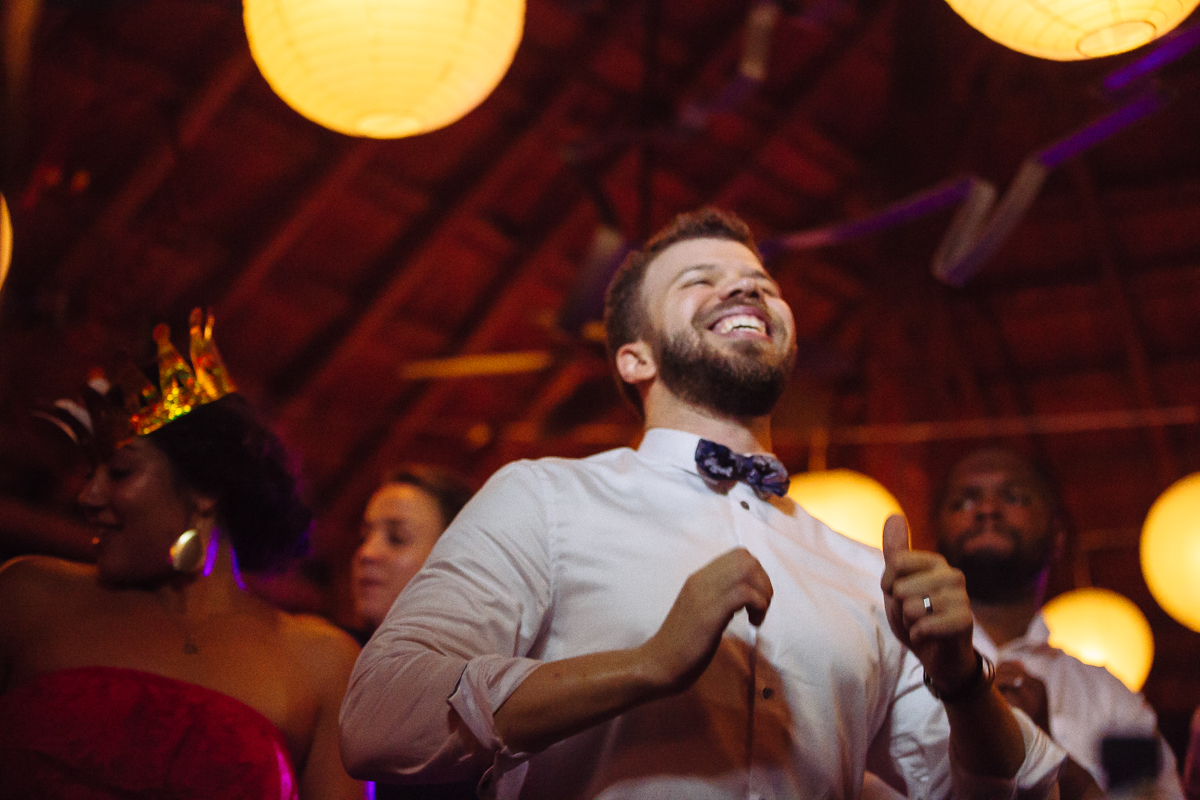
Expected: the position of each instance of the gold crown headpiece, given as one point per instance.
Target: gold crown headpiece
(113, 412)
(180, 388)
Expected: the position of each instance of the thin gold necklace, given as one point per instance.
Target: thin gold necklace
(189, 642)
(183, 624)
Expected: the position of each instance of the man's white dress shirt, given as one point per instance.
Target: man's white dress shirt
(558, 558)
(1085, 702)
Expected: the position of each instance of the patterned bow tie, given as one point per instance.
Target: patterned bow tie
(765, 474)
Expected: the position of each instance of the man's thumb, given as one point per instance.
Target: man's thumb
(895, 535)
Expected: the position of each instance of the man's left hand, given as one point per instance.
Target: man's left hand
(927, 606)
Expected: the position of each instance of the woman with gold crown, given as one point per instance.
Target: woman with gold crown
(154, 673)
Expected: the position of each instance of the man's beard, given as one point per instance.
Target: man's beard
(745, 386)
(995, 578)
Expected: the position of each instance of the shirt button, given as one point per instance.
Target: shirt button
(768, 693)
(745, 505)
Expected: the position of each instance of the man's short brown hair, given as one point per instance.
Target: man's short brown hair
(625, 318)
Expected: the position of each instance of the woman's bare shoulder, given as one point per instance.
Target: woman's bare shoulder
(324, 652)
(37, 573)
(319, 639)
(36, 592)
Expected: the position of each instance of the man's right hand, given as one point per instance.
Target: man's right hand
(1028, 693)
(691, 633)
(1024, 691)
(562, 698)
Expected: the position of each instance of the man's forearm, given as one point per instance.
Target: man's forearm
(562, 698)
(984, 735)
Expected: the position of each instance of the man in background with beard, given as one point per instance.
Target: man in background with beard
(663, 622)
(998, 521)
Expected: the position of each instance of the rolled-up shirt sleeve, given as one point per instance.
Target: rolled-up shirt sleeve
(913, 750)
(422, 695)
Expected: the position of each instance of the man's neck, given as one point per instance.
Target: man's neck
(1005, 622)
(751, 435)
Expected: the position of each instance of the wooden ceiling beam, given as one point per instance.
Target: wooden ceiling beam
(965, 370)
(1114, 283)
(566, 378)
(463, 196)
(341, 495)
(1114, 366)
(352, 159)
(1080, 276)
(872, 434)
(153, 170)
(1020, 401)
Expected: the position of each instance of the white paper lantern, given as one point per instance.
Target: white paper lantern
(383, 68)
(1105, 629)
(1069, 30)
(1170, 550)
(6, 240)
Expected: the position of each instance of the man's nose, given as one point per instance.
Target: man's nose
(742, 285)
(988, 505)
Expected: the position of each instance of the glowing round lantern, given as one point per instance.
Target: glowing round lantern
(1170, 551)
(6, 240)
(383, 68)
(847, 501)
(1069, 30)
(1103, 628)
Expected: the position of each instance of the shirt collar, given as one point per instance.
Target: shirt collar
(666, 446)
(1036, 635)
(669, 446)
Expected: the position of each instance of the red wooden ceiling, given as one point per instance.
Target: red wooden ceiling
(151, 169)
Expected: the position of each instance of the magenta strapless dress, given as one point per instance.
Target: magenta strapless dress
(99, 733)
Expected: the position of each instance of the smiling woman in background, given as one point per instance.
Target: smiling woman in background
(401, 523)
(154, 673)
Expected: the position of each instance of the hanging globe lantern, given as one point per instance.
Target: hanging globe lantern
(1070, 30)
(383, 68)
(847, 501)
(6, 240)
(1170, 551)
(1102, 628)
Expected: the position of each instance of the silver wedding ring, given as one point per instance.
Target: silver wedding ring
(925, 601)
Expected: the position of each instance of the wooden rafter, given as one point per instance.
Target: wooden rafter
(1115, 286)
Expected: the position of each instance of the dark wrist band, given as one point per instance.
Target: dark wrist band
(976, 684)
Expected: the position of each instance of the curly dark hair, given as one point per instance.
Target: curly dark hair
(223, 448)
(625, 317)
(449, 489)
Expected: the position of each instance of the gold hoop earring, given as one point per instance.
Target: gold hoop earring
(187, 553)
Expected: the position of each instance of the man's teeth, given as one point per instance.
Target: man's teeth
(740, 322)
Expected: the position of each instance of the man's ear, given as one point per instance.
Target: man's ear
(635, 363)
